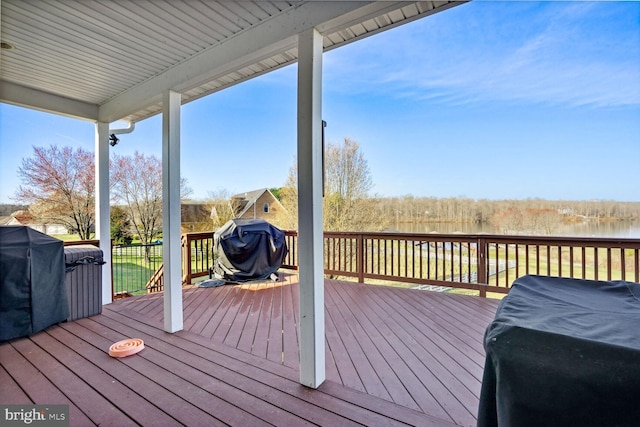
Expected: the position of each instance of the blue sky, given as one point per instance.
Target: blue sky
(494, 100)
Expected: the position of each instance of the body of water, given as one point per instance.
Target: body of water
(623, 229)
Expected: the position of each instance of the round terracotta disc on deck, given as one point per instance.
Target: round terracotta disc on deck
(126, 347)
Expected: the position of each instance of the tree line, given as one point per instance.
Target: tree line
(431, 209)
(58, 184)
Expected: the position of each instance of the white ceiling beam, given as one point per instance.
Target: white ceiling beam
(23, 96)
(245, 48)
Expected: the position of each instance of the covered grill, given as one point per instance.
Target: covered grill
(32, 282)
(247, 249)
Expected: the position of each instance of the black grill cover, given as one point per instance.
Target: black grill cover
(32, 282)
(563, 352)
(248, 249)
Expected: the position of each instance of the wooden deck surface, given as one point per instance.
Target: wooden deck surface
(394, 357)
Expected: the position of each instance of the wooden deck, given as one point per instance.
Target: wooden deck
(394, 357)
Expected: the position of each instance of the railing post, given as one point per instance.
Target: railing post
(482, 265)
(111, 266)
(186, 261)
(360, 257)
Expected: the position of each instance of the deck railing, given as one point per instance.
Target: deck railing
(133, 266)
(481, 262)
(197, 255)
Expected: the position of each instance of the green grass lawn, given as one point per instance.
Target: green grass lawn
(132, 269)
(66, 237)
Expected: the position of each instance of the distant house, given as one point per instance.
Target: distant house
(256, 204)
(196, 216)
(199, 216)
(24, 217)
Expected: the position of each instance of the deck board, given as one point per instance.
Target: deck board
(385, 377)
(351, 407)
(442, 326)
(10, 392)
(394, 357)
(423, 353)
(289, 331)
(285, 378)
(89, 344)
(248, 332)
(413, 326)
(357, 356)
(199, 315)
(260, 343)
(94, 405)
(134, 406)
(34, 384)
(414, 372)
(275, 346)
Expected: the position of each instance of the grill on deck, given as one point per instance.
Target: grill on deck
(32, 282)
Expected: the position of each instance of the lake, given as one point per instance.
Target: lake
(624, 229)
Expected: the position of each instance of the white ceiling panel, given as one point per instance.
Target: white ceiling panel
(117, 56)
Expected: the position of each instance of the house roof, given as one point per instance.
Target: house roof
(22, 216)
(194, 212)
(111, 61)
(250, 198)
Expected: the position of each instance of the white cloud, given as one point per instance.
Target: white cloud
(521, 53)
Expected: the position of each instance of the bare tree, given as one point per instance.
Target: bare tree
(347, 182)
(59, 184)
(289, 199)
(347, 205)
(508, 221)
(542, 221)
(220, 205)
(137, 184)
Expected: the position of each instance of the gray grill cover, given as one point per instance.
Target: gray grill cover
(32, 282)
(248, 249)
(563, 352)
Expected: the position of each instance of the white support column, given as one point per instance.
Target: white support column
(173, 320)
(310, 233)
(103, 227)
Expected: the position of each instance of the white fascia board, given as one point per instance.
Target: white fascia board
(23, 96)
(362, 14)
(247, 47)
(379, 8)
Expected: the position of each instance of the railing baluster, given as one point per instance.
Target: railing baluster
(437, 260)
(637, 269)
(460, 262)
(517, 255)
(571, 261)
(497, 263)
(406, 258)
(428, 260)
(506, 267)
(560, 261)
(380, 256)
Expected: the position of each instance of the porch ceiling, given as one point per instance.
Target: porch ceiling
(111, 60)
